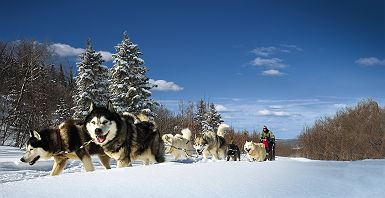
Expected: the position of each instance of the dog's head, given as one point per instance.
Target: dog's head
(168, 141)
(102, 123)
(200, 144)
(248, 146)
(36, 149)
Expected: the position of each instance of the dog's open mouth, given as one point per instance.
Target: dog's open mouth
(247, 150)
(199, 152)
(101, 138)
(34, 160)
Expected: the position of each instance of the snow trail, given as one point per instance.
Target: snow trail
(285, 177)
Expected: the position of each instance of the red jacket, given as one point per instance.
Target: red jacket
(264, 141)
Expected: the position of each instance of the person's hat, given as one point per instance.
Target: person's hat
(264, 127)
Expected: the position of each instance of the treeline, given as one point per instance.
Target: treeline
(354, 133)
(33, 86)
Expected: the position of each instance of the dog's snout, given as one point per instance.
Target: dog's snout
(22, 159)
(98, 131)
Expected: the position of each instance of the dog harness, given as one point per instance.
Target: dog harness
(59, 140)
(60, 144)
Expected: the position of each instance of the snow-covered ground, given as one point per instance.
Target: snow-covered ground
(285, 177)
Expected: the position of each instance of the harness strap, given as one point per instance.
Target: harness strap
(182, 149)
(61, 150)
(59, 141)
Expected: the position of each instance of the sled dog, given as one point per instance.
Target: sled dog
(233, 152)
(124, 137)
(211, 143)
(255, 151)
(180, 146)
(68, 141)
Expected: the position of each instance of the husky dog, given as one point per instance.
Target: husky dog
(69, 141)
(211, 143)
(124, 138)
(255, 151)
(179, 145)
(233, 152)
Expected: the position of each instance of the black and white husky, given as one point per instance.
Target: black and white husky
(123, 137)
(68, 141)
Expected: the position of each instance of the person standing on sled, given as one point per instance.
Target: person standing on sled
(268, 139)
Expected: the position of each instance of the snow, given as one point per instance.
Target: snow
(285, 177)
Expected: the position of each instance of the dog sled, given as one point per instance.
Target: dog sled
(270, 155)
(270, 149)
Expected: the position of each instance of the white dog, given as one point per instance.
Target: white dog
(180, 146)
(255, 151)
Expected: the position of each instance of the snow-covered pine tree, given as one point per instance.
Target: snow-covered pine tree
(91, 82)
(61, 114)
(214, 119)
(129, 85)
(201, 116)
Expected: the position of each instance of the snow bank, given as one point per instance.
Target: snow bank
(285, 177)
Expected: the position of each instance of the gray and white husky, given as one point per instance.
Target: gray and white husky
(68, 141)
(124, 137)
(210, 143)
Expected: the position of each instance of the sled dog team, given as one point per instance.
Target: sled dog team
(125, 138)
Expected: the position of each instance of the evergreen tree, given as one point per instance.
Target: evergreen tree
(214, 119)
(61, 76)
(91, 82)
(129, 85)
(61, 114)
(201, 117)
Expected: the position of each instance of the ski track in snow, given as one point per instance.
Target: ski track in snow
(285, 177)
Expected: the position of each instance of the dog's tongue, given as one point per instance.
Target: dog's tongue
(99, 139)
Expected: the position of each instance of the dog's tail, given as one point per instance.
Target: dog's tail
(186, 133)
(142, 117)
(136, 118)
(222, 129)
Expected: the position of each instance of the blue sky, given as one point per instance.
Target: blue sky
(277, 63)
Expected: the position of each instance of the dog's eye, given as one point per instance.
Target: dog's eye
(105, 122)
(93, 122)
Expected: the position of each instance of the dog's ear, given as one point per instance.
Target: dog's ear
(110, 106)
(35, 134)
(92, 106)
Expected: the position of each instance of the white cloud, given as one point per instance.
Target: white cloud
(266, 112)
(165, 86)
(267, 51)
(340, 105)
(264, 51)
(276, 106)
(269, 62)
(66, 50)
(292, 47)
(372, 61)
(221, 108)
(272, 72)
(107, 56)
